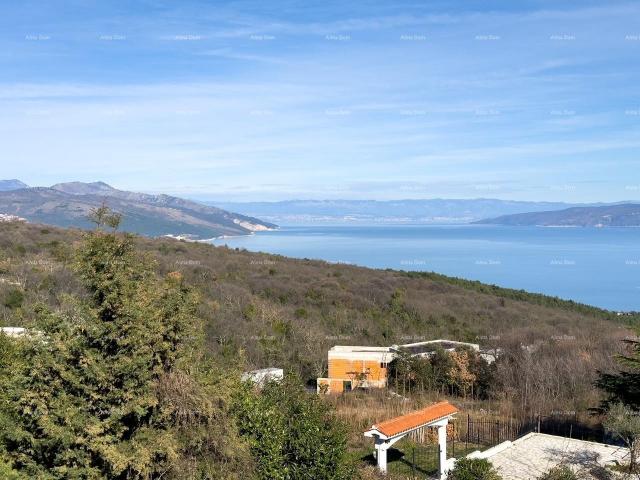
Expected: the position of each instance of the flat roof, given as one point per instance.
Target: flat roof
(356, 348)
(432, 345)
(266, 370)
(536, 453)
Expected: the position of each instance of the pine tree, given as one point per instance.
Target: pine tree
(622, 402)
(117, 385)
(623, 386)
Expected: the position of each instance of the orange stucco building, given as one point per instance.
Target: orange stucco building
(356, 367)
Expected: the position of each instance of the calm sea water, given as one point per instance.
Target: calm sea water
(598, 266)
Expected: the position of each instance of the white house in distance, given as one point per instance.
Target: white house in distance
(13, 331)
(23, 333)
(263, 376)
(20, 332)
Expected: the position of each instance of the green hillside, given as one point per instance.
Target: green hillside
(268, 310)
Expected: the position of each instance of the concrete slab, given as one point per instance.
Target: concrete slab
(534, 454)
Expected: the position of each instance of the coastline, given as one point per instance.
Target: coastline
(189, 238)
(571, 263)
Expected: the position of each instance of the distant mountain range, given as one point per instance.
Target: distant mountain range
(620, 215)
(6, 185)
(69, 204)
(432, 211)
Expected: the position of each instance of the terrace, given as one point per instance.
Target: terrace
(536, 453)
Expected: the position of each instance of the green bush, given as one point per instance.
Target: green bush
(292, 434)
(250, 312)
(560, 472)
(13, 299)
(473, 469)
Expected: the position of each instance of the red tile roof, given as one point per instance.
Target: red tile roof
(415, 419)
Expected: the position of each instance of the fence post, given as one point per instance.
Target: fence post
(453, 440)
(413, 462)
(538, 423)
(468, 427)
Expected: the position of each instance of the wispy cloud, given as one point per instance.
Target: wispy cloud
(231, 54)
(324, 100)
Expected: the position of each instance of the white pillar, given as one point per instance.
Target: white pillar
(442, 445)
(381, 450)
(382, 460)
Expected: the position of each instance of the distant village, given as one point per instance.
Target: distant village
(4, 218)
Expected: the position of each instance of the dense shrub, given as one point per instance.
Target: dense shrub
(473, 469)
(14, 299)
(293, 434)
(560, 472)
(460, 372)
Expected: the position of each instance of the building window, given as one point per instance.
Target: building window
(383, 365)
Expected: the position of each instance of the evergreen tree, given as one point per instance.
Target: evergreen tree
(117, 385)
(623, 386)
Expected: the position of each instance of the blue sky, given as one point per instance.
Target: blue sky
(270, 100)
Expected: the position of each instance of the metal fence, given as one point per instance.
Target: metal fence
(418, 457)
(572, 428)
(489, 432)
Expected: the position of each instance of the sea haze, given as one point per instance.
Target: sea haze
(597, 266)
(434, 211)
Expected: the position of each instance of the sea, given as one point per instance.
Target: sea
(596, 266)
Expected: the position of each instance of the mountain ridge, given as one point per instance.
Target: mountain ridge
(69, 205)
(618, 215)
(424, 211)
(13, 184)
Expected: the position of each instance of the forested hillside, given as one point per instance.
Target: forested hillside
(267, 310)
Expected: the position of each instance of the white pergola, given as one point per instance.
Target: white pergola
(387, 433)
